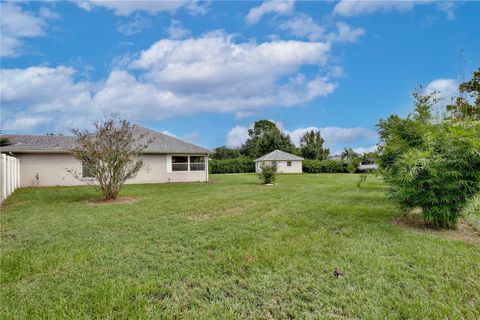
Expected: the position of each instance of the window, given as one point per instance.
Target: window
(179, 163)
(289, 163)
(86, 172)
(188, 163)
(197, 163)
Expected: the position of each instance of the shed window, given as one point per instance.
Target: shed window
(289, 163)
(86, 171)
(179, 163)
(197, 163)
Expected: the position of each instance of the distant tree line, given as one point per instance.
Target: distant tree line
(265, 137)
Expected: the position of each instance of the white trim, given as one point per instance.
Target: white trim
(188, 155)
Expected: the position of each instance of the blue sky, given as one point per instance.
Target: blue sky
(205, 71)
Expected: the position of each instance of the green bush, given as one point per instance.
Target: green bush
(325, 166)
(267, 175)
(353, 165)
(441, 175)
(236, 165)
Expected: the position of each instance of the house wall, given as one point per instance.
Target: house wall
(51, 170)
(281, 166)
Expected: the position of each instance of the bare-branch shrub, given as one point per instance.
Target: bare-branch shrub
(110, 154)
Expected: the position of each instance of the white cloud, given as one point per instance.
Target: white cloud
(168, 133)
(176, 31)
(125, 8)
(46, 13)
(17, 25)
(303, 25)
(363, 150)
(277, 7)
(25, 123)
(197, 8)
(446, 88)
(448, 7)
(347, 34)
(41, 87)
(334, 135)
(192, 136)
(236, 136)
(134, 26)
(172, 78)
(350, 8)
(232, 77)
(50, 95)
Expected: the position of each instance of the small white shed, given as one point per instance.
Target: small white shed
(285, 162)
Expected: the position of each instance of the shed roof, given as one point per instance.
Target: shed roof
(160, 143)
(279, 155)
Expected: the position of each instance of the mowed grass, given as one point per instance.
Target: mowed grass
(229, 249)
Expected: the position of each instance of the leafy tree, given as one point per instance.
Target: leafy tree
(274, 140)
(348, 154)
(224, 153)
(462, 109)
(4, 141)
(311, 146)
(398, 135)
(370, 157)
(265, 137)
(434, 166)
(111, 153)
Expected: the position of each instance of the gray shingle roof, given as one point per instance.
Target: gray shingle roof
(279, 155)
(160, 143)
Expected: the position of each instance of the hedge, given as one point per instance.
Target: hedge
(236, 165)
(246, 165)
(325, 166)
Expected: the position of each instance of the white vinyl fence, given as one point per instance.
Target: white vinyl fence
(9, 176)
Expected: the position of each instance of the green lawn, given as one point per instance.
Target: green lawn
(229, 249)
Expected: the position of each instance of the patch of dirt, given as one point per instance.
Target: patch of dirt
(100, 202)
(463, 232)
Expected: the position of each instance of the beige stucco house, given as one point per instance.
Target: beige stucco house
(285, 162)
(45, 159)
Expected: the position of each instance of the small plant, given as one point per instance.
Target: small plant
(267, 175)
(361, 179)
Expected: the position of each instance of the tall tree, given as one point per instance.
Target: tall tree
(311, 144)
(4, 141)
(274, 140)
(265, 137)
(462, 108)
(430, 165)
(110, 154)
(348, 154)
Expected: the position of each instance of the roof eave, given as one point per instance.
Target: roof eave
(67, 151)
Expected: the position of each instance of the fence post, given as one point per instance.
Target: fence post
(3, 178)
(7, 176)
(18, 172)
(11, 175)
(15, 180)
